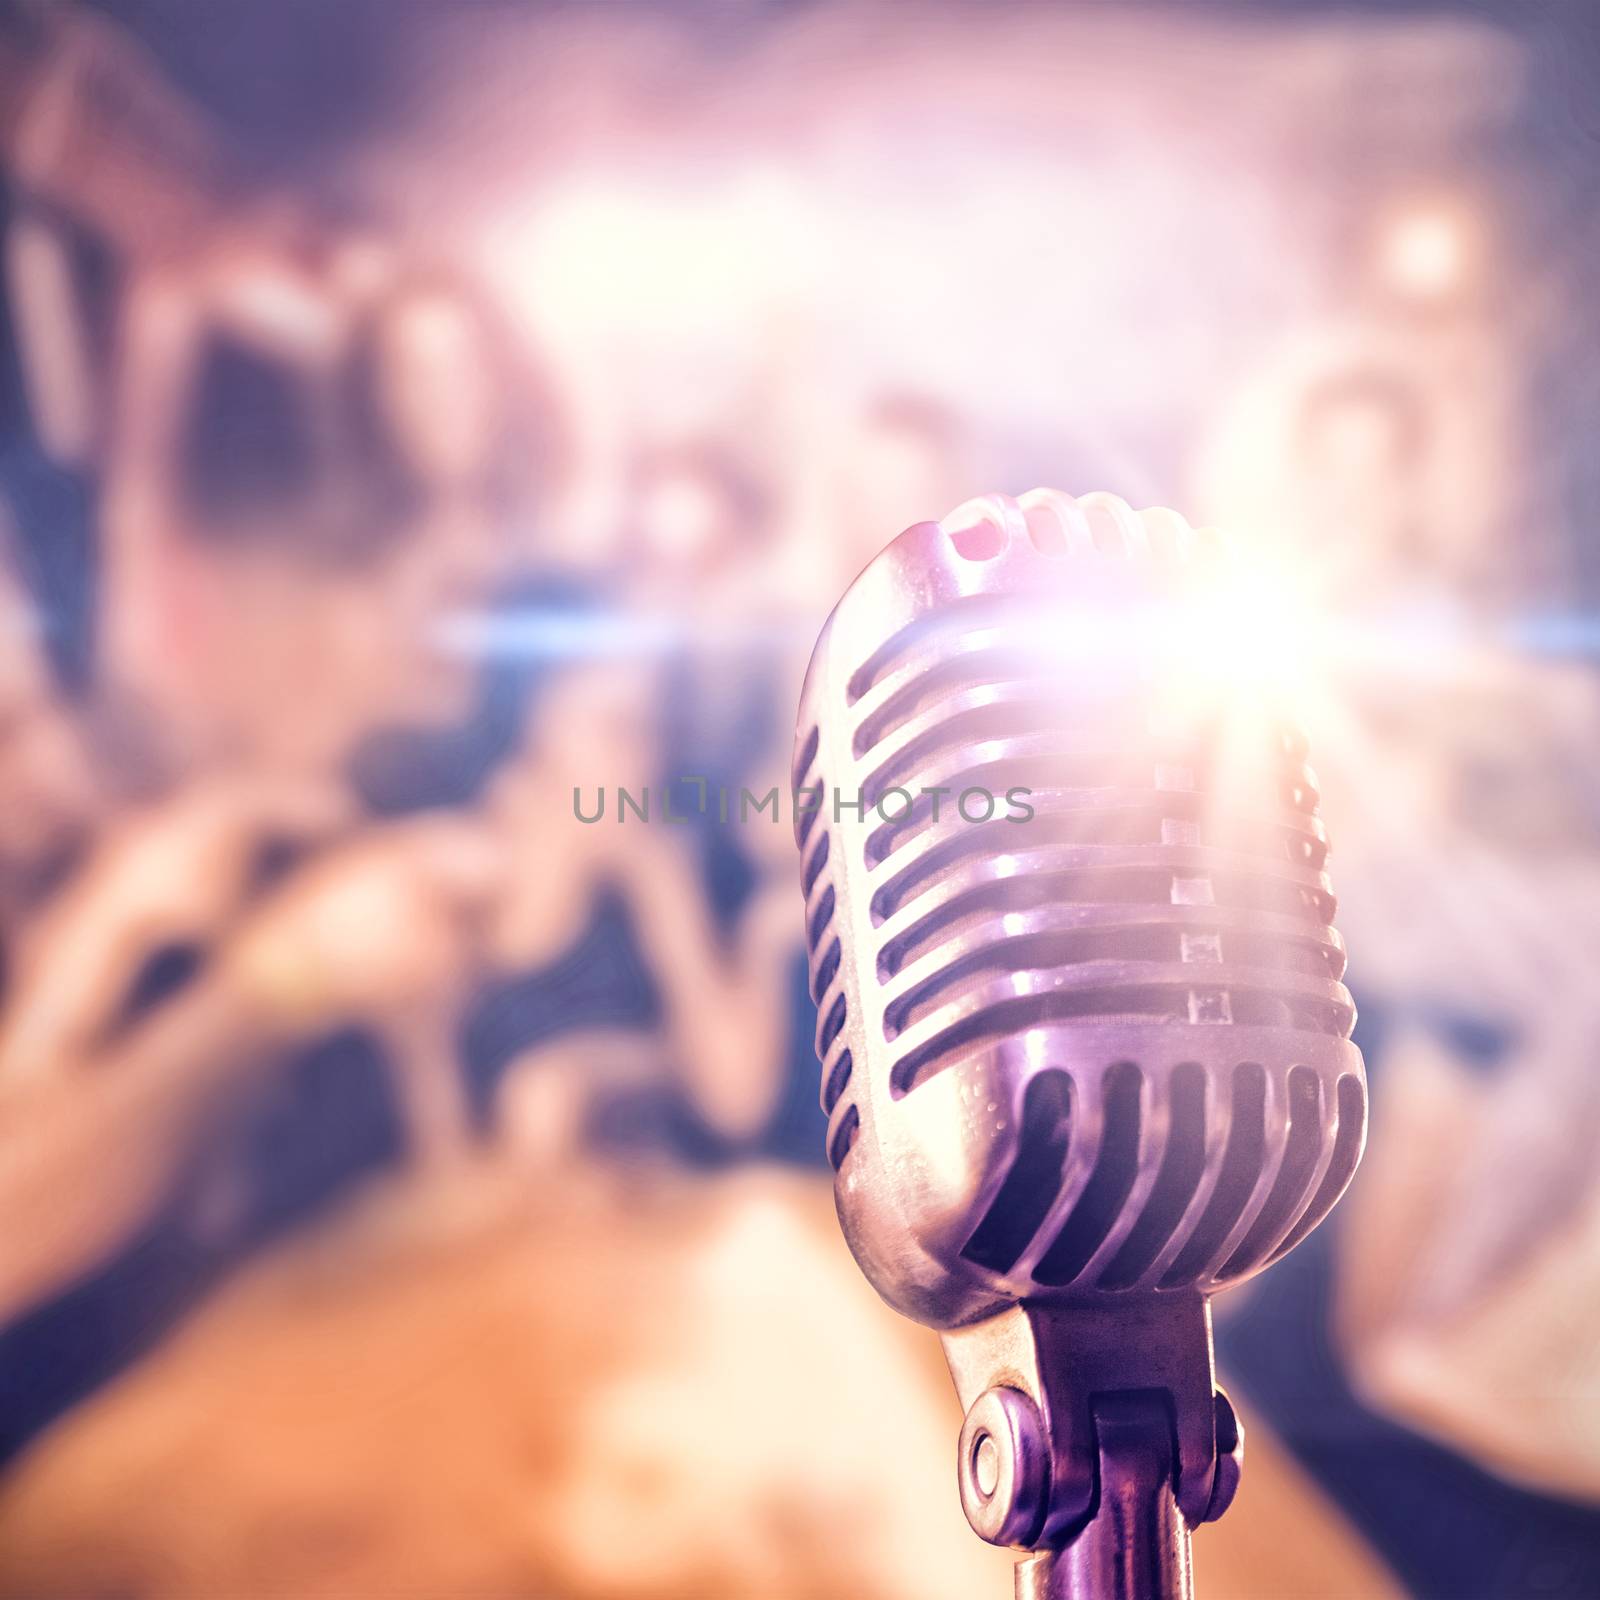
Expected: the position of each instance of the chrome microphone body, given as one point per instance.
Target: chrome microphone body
(1083, 1031)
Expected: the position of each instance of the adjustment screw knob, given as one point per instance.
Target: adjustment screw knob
(1230, 1458)
(1004, 1467)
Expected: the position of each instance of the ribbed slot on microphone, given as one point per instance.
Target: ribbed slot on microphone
(1030, 953)
(1050, 778)
(1352, 1106)
(1106, 1192)
(1008, 1016)
(1294, 1173)
(832, 1027)
(1024, 1198)
(827, 970)
(1182, 1164)
(1298, 840)
(1055, 781)
(1134, 821)
(1316, 958)
(808, 754)
(1117, 761)
(837, 1082)
(1039, 889)
(1070, 782)
(945, 626)
(820, 918)
(1092, 886)
(817, 860)
(1268, 1008)
(1138, 823)
(1301, 792)
(1241, 1166)
(977, 667)
(806, 814)
(1140, 972)
(844, 1139)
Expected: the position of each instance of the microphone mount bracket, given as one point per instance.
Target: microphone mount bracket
(1096, 1437)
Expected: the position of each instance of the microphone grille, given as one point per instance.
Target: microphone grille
(1072, 946)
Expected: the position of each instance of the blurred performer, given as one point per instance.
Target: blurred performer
(265, 602)
(259, 554)
(1362, 442)
(463, 440)
(1377, 460)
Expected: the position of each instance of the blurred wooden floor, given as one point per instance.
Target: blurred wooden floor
(660, 1388)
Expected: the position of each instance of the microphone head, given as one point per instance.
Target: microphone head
(1081, 1020)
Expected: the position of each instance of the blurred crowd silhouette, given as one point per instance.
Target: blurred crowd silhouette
(418, 418)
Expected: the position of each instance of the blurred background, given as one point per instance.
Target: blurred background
(413, 411)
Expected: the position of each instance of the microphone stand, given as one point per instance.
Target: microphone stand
(1135, 1544)
(1095, 1438)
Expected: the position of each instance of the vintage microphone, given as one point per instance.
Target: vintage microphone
(1084, 1041)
